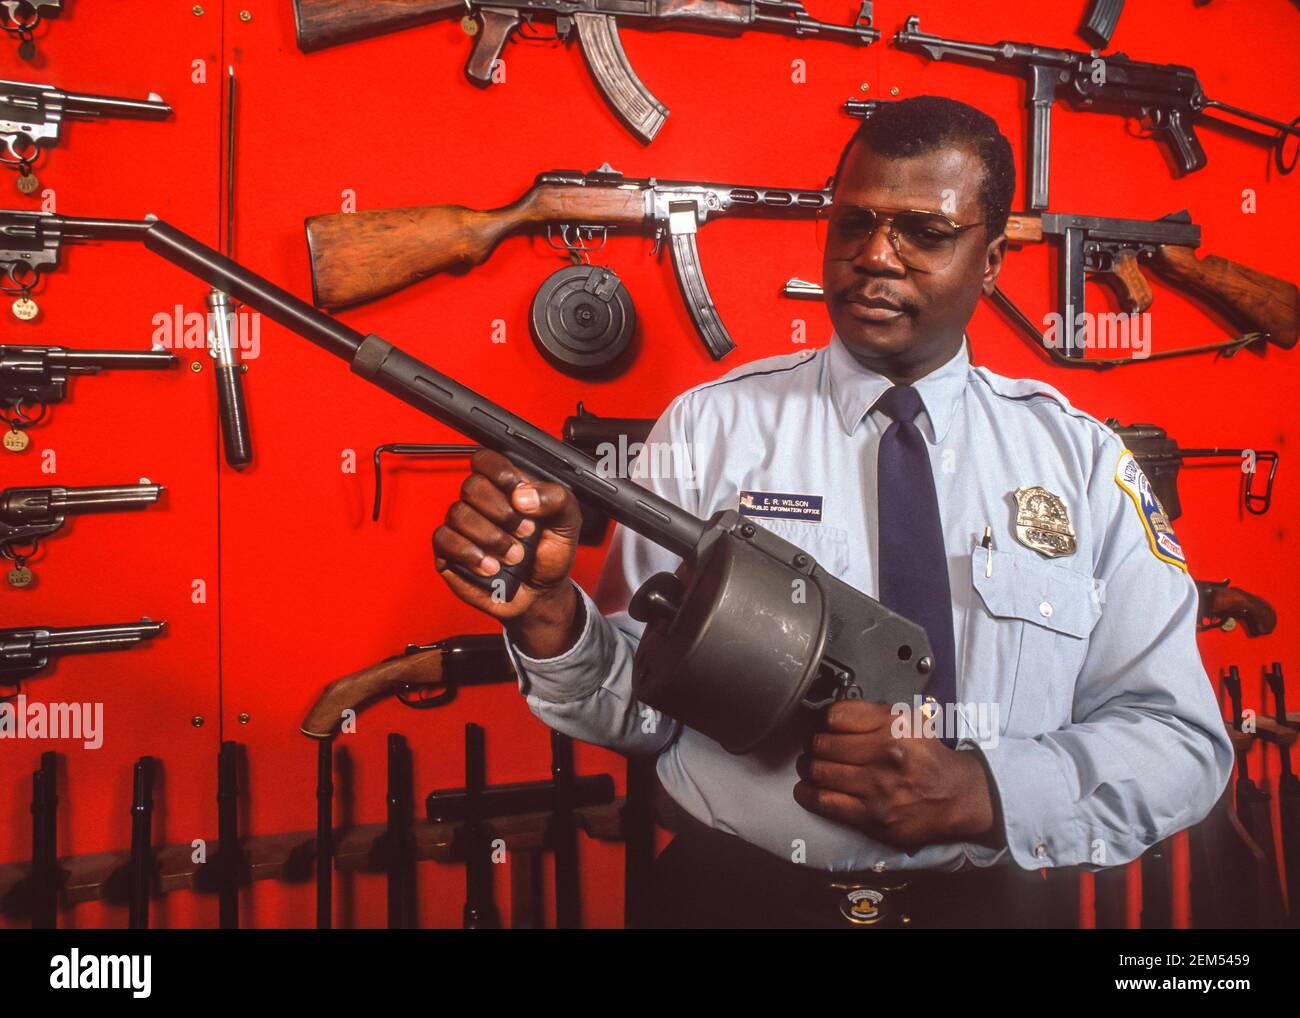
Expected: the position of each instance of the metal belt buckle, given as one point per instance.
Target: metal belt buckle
(868, 904)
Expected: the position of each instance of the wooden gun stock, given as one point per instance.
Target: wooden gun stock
(324, 23)
(352, 692)
(358, 256)
(1250, 300)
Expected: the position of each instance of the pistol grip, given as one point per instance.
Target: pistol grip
(1129, 283)
(634, 104)
(508, 579)
(495, 26)
(1187, 147)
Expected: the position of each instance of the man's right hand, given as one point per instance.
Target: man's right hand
(499, 503)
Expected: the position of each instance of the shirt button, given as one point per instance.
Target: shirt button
(1045, 609)
(1040, 850)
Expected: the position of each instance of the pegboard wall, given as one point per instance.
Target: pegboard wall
(274, 580)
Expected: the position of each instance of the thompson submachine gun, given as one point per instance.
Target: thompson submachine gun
(698, 660)
(358, 256)
(1168, 96)
(27, 515)
(31, 117)
(28, 650)
(21, 18)
(33, 377)
(491, 23)
(1114, 250)
(1267, 308)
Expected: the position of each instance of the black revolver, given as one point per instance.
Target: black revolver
(33, 377)
(28, 651)
(27, 515)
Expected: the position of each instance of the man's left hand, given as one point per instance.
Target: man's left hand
(902, 789)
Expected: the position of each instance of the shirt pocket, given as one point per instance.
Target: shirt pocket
(828, 545)
(1044, 613)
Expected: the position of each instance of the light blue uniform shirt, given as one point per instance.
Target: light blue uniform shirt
(1107, 736)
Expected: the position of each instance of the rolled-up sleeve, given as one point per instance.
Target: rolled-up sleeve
(1146, 753)
(586, 692)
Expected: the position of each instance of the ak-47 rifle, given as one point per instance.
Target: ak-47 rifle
(491, 23)
(424, 675)
(1100, 20)
(1168, 96)
(358, 256)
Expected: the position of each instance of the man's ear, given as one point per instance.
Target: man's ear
(993, 255)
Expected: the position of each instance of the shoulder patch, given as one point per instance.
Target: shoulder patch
(1160, 534)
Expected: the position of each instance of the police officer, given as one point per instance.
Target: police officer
(1069, 722)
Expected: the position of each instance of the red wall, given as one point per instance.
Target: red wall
(301, 586)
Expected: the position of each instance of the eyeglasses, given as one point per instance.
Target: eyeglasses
(924, 241)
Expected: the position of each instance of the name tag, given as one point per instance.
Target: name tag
(778, 505)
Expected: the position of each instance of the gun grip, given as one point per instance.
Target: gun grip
(504, 583)
(495, 26)
(1187, 147)
(634, 104)
(1129, 283)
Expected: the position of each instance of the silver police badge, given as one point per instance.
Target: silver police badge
(1043, 523)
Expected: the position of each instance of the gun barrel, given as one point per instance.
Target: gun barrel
(474, 659)
(937, 47)
(40, 363)
(803, 24)
(108, 499)
(92, 639)
(1180, 232)
(90, 361)
(84, 104)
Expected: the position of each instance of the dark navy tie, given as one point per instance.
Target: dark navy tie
(913, 564)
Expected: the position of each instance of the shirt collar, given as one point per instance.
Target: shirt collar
(855, 388)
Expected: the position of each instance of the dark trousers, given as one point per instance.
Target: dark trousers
(710, 880)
